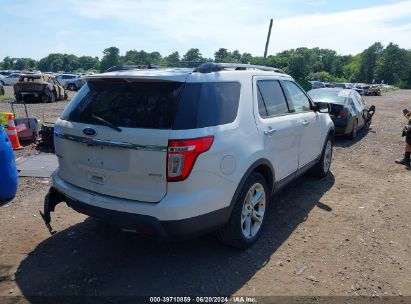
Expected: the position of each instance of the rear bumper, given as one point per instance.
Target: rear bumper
(143, 224)
(342, 126)
(29, 95)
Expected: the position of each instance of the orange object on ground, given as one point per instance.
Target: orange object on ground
(12, 133)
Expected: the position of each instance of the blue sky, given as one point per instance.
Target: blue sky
(85, 27)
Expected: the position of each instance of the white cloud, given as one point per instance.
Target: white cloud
(316, 3)
(208, 25)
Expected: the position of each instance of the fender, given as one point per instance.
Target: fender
(261, 161)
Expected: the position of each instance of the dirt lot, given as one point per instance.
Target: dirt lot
(347, 234)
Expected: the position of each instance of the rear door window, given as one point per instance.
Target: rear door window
(299, 100)
(357, 104)
(271, 99)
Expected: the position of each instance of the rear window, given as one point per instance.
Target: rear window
(30, 79)
(155, 105)
(339, 97)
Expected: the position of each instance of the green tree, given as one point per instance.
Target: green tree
(222, 55)
(368, 62)
(24, 64)
(173, 59)
(193, 55)
(246, 58)
(88, 63)
(111, 57)
(52, 63)
(393, 66)
(7, 63)
(235, 56)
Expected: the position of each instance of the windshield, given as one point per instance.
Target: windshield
(339, 97)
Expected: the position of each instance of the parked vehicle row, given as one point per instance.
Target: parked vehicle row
(361, 88)
(70, 81)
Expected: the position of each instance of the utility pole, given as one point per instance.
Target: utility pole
(268, 40)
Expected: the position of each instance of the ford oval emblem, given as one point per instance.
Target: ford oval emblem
(90, 132)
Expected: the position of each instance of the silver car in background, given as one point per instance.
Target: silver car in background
(72, 82)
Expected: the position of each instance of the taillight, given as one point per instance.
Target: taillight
(182, 155)
(115, 80)
(343, 113)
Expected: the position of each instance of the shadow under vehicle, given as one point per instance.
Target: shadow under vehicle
(95, 259)
(38, 87)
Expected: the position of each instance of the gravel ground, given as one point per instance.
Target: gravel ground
(345, 235)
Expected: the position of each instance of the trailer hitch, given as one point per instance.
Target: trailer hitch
(50, 202)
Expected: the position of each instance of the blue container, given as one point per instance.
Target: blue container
(8, 171)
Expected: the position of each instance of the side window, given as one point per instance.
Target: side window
(361, 100)
(300, 101)
(271, 99)
(358, 106)
(207, 104)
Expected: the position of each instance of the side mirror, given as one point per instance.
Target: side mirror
(322, 107)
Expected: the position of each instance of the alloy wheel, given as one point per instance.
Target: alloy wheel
(253, 211)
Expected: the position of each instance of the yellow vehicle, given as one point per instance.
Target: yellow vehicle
(39, 87)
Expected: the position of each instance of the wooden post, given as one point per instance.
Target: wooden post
(268, 40)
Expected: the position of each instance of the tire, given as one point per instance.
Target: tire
(48, 97)
(52, 97)
(243, 230)
(354, 131)
(322, 168)
(72, 87)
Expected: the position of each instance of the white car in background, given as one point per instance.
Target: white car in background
(11, 79)
(72, 82)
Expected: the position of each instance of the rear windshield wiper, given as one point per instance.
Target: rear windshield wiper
(106, 122)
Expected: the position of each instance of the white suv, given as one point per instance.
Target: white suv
(179, 152)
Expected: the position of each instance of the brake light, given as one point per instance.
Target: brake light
(343, 113)
(115, 80)
(182, 155)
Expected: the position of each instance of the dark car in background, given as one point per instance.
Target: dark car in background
(317, 84)
(348, 110)
(340, 85)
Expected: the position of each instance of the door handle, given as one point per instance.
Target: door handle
(305, 123)
(270, 131)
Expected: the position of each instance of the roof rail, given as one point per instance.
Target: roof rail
(216, 67)
(132, 67)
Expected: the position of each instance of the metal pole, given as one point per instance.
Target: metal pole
(268, 39)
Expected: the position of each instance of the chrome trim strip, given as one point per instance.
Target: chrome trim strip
(110, 143)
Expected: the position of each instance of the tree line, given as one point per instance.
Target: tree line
(376, 64)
